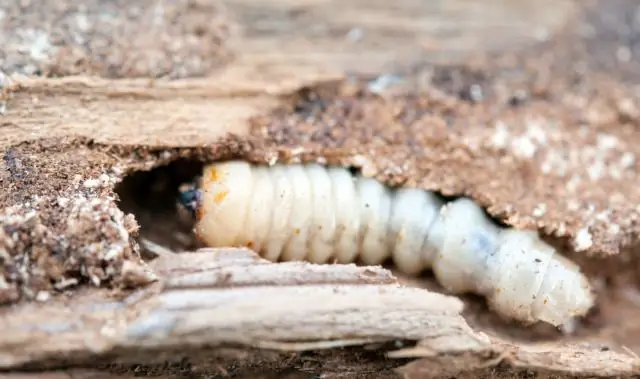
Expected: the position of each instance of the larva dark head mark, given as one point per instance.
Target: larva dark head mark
(189, 197)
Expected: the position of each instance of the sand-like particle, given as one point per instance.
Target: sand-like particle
(119, 38)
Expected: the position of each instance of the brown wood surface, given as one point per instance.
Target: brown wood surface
(227, 312)
(282, 46)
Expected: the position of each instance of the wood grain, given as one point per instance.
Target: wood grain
(225, 298)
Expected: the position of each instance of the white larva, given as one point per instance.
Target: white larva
(322, 214)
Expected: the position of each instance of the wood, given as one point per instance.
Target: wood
(227, 312)
(277, 54)
(231, 298)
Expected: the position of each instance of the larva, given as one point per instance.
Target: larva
(317, 213)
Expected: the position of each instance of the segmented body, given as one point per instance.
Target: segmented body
(326, 214)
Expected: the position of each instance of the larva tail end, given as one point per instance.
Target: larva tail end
(565, 304)
(189, 197)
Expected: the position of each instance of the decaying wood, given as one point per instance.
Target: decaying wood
(232, 298)
(227, 312)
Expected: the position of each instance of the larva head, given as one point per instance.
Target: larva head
(189, 197)
(226, 189)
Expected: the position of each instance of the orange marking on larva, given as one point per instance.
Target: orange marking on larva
(249, 244)
(220, 196)
(214, 175)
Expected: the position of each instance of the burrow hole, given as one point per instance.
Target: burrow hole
(152, 196)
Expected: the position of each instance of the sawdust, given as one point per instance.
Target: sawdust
(61, 225)
(115, 39)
